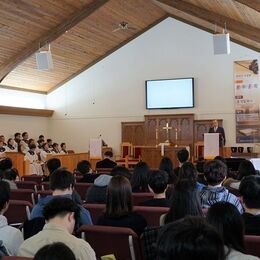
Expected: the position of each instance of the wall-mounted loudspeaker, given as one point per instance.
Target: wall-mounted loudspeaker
(221, 43)
(44, 60)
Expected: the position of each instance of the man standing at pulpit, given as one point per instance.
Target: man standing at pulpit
(218, 129)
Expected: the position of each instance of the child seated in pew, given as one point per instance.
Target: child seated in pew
(157, 184)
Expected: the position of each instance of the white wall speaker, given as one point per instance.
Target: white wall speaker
(221, 43)
(44, 60)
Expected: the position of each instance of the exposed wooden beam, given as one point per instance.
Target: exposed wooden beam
(50, 36)
(242, 29)
(21, 111)
(110, 52)
(204, 28)
(253, 4)
(23, 89)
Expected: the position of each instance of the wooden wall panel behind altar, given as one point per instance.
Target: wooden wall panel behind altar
(182, 122)
(133, 132)
(201, 127)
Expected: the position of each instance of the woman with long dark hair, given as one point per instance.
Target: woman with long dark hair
(226, 218)
(184, 202)
(119, 207)
(139, 180)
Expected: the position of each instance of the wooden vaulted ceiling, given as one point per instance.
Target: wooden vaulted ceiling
(80, 32)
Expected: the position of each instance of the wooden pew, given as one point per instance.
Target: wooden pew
(69, 160)
(18, 162)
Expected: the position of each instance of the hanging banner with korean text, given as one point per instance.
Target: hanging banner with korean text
(247, 101)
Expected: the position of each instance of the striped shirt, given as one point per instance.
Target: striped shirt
(211, 195)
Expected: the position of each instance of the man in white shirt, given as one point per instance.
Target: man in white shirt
(60, 214)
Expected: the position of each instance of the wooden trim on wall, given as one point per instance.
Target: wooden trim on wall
(23, 89)
(21, 111)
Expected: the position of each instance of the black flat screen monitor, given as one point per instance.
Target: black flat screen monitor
(170, 93)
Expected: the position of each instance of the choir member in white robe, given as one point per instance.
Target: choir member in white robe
(11, 147)
(44, 152)
(55, 148)
(2, 150)
(63, 149)
(32, 157)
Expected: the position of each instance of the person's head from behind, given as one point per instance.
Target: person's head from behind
(183, 155)
(139, 179)
(245, 168)
(226, 218)
(4, 196)
(6, 164)
(121, 171)
(84, 166)
(10, 175)
(55, 251)
(249, 189)
(190, 238)
(62, 211)
(188, 172)
(32, 146)
(108, 154)
(185, 201)
(166, 165)
(62, 181)
(158, 181)
(119, 197)
(53, 164)
(215, 172)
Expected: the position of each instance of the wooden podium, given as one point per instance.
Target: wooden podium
(211, 145)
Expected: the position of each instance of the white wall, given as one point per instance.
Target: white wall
(10, 124)
(26, 99)
(35, 126)
(113, 90)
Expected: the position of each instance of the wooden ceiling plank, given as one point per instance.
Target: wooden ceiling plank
(110, 52)
(50, 36)
(242, 29)
(253, 4)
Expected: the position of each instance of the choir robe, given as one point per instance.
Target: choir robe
(11, 149)
(43, 155)
(35, 165)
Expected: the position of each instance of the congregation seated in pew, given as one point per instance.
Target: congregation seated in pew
(228, 221)
(107, 162)
(11, 237)
(97, 192)
(139, 179)
(215, 172)
(84, 169)
(250, 196)
(61, 214)
(119, 207)
(157, 184)
(62, 184)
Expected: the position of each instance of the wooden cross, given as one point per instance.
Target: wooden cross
(167, 128)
